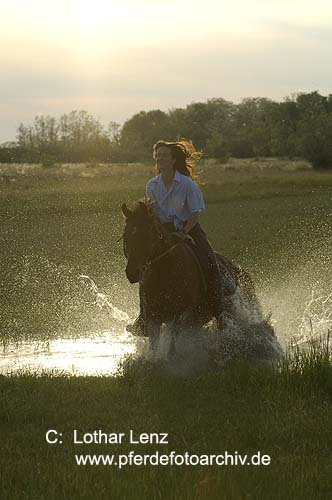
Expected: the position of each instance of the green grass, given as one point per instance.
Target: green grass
(273, 220)
(284, 412)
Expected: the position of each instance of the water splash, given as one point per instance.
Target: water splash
(202, 349)
(246, 336)
(91, 354)
(316, 319)
(101, 300)
(249, 335)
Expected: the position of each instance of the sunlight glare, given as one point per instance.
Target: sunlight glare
(99, 355)
(101, 13)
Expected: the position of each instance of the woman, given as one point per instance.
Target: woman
(178, 204)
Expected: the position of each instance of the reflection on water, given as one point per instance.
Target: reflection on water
(247, 337)
(101, 355)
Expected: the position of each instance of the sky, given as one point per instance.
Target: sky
(115, 58)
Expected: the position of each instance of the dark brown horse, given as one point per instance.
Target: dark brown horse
(170, 277)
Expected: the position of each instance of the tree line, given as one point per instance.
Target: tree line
(299, 126)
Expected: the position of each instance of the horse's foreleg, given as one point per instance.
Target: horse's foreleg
(172, 350)
(177, 324)
(152, 330)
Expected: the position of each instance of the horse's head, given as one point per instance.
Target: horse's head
(140, 238)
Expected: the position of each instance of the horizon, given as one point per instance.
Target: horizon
(106, 123)
(115, 59)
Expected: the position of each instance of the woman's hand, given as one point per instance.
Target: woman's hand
(181, 236)
(191, 222)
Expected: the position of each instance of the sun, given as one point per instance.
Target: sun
(100, 14)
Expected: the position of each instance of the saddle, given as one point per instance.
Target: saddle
(228, 280)
(180, 237)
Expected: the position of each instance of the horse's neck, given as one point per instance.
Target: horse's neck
(160, 244)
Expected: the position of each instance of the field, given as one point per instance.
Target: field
(274, 219)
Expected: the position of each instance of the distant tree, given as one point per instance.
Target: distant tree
(42, 134)
(198, 123)
(8, 154)
(178, 123)
(301, 125)
(74, 137)
(217, 147)
(219, 128)
(114, 136)
(114, 132)
(206, 124)
(140, 132)
(82, 137)
(314, 129)
(284, 128)
(253, 121)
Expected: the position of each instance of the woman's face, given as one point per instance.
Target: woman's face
(164, 160)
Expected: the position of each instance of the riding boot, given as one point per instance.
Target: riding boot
(137, 327)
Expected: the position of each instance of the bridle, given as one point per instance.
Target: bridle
(150, 260)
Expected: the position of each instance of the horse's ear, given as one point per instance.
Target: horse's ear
(125, 210)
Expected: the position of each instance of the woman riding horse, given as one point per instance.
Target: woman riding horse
(178, 203)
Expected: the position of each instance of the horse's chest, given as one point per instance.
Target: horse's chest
(167, 290)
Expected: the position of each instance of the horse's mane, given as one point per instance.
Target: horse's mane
(146, 207)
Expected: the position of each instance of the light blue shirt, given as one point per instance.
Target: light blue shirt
(176, 205)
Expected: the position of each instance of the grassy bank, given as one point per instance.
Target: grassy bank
(283, 412)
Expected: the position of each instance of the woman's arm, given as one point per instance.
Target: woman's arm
(195, 204)
(193, 219)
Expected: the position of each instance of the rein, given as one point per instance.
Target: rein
(149, 262)
(163, 254)
(152, 261)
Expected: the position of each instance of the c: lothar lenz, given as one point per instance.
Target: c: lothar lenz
(101, 437)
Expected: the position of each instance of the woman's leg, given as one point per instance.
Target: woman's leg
(211, 270)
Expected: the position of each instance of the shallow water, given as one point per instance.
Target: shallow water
(54, 317)
(250, 336)
(98, 355)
